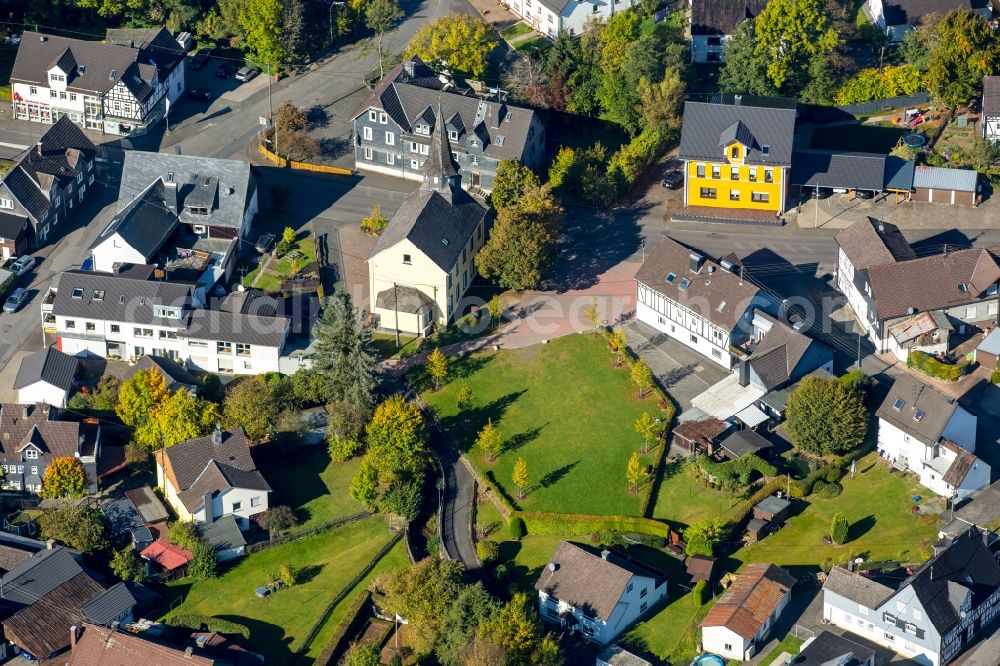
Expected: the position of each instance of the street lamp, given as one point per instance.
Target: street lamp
(338, 4)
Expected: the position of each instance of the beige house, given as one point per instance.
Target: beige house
(422, 264)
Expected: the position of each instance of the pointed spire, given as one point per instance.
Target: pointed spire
(439, 168)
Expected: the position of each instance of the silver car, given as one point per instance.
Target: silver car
(15, 300)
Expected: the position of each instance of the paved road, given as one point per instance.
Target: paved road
(459, 500)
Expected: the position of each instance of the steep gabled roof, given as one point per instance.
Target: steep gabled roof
(917, 399)
(706, 126)
(869, 242)
(991, 95)
(776, 357)
(749, 602)
(101, 646)
(144, 224)
(720, 17)
(48, 365)
(200, 466)
(38, 425)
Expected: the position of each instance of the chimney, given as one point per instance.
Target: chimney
(209, 512)
(38, 147)
(737, 100)
(74, 633)
(50, 544)
(604, 554)
(744, 372)
(696, 261)
(410, 68)
(217, 435)
(189, 652)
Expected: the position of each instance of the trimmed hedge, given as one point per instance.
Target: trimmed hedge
(348, 626)
(200, 622)
(516, 528)
(736, 470)
(932, 367)
(669, 411)
(580, 524)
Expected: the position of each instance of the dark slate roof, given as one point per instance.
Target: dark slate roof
(912, 12)
(855, 171)
(149, 505)
(38, 425)
(440, 163)
(122, 516)
(713, 293)
(98, 60)
(223, 534)
(125, 298)
(943, 582)
(48, 365)
(720, 17)
(991, 95)
(12, 226)
(38, 575)
(108, 605)
(26, 191)
(234, 327)
(154, 44)
(250, 301)
(776, 357)
(829, 649)
(931, 283)
(743, 442)
(144, 224)
(438, 228)
(856, 587)
(705, 125)
(869, 242)
(199, 467)
(917, 397)
(407, 99)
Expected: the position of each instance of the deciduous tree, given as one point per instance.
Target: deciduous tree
(618, 343)
(514, 627)
(460, 41)
(375, 223)
(261, 24)
(464, 397)
(660, 103)
(510, 183)
(471, 608)
(965, 50)
(520, 476)
(826, 418)
(642, 377)
(592, 314)
(789, 32)
(204, 564)
(490, 441)
(422, 594)
(64, 477)
(250, 404)
(79, 527)
(138, 396)
(648, 429)
(382, 17)
(126, 565)
(183, 534)
(495, 307)
(178, 418)
(361, 654)
(437, 367)
(634, 472)
(278, 519)
(702, 535)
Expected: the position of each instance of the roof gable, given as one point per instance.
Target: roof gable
(769, 132)
(917, 409)
(748, 603)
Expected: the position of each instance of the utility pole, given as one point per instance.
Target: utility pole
(816, 206)
(859, 351)
(270, 119)
(395, 312)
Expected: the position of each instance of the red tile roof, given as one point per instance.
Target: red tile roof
(747, 604)
(166, 554)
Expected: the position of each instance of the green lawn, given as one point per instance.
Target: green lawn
(385, 345)
(564, 409)
(682, 500)
(533, 45)
(316, 488)
(278, 624)
(516, 30)
(271, 280)
(673, 633)
(790, 644)
(7, 55)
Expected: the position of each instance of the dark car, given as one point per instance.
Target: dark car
(201, 94)
(198, 61)
(227, 70)
(864, 194)
(265, 243)
(673, 180)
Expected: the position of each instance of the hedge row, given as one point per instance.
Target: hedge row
(931, 366)
(200, 622)
(739, 469)
(345, 630)
(580, 524)
(669, 410)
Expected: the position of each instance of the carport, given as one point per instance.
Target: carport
(839, 172)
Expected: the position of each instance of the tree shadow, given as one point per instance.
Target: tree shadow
(317, 116)
(334, 147)
(514, 442)
(298, 482)
(267, 639)
(861, 527)
(675, 375)
(463, 427)
(557, 475)
(306, 574)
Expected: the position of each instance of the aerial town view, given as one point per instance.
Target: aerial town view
(500, 332)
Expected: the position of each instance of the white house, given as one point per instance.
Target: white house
(137, 312)
(713, 21)
(949, 603)
(550, 17)
(705, 305)
(423, 263)
(599, 595)
(895, 18)
(930, 434)
(210, 477)
(742, 617)
(46, 376)
(991, 108)
(120, 86)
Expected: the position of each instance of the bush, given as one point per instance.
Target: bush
(839, 528)
(183, 534)
(343, 449)
(736, 471)
(698, 593)
(575, 524)
(857, 381)
(204, 565)
(833, 473)
(827, 490)
(516, 528)
(200, 622)
(995, 377)
(932, 367)
(288, 575)
(488, 551)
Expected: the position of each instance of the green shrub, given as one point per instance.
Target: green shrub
(932, 367)
(995, 377)
(516, 528)
(737, 471)
(698, 593)
(578, 524)
(343, 449)
(488, 551)
(827, 490)
(857, 381)
(200, 622)
(833, 473)
(839, 528)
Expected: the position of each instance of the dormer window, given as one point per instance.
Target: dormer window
(424, 129)
(734, 152)
(31, 453)
(198, 210)
(453, 135)
(98, 294)
(474, 143)
(54, 76)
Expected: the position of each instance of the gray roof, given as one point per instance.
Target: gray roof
(144, 224)
(713, 292)
(917, 399)
(48, 365)
(616, 655)
(720, 17)
(405, 299)
(234, 184)
(408, 99)
(777, 356)
(856, 587)
(991, 343)
(154, 44)
(149, 505)
(108, 606)
(223, 533)
(855, 171)
(706, 126)
(174, 372)
(96, 66)
(869, 242)
(437, 227)
(742, 442)
(773, 505)
(235, 327)
(124, 298)
(940, 178)
(123, 516)
(991, 95)
(829, 649)
(12, 226)
(899, 173)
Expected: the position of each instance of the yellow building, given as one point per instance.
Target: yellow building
(736, 157)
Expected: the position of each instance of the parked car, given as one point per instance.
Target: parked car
(673, 180)
(864, 194)
(200, 94)
(246, 73)
(13, 40)
(15, 300)
(198, 61)
(265, 243)
(22, 265)
(225, 71)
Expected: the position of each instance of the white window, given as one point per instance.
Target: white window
(70, 323)
(34, 469)
(390, 139)
(247, 365)
(729, 648)
(53, 94)
(197, 343)
(424, 150)
(863, 609)
(6, 203)
(367, 133)
(32, 90)
(453, 135)
(991, 308)
(31, 454)
(62, 95)
(372, 115)
(970, 312)
(414, 164)
(242, 349)
(413, 147)
(368, 153)
(407, 259)
(382, 117)
(255, 501)
(390, 158)
(475, 160)
(223, 348)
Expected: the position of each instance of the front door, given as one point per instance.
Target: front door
(475, 179)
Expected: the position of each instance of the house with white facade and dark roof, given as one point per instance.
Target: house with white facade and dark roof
(209, 477)
(713, 21)
(895, 18)
(991, 108)
(48, 376)
(47, 182)
(934, 615)
(393, 128)
(120, 86)
(924, 431)
(32, 436)
(552, 17)
(423, 263)
(599, 595)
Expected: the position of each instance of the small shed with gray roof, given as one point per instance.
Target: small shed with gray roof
(942, 185)
(46, 376)
(988, 351)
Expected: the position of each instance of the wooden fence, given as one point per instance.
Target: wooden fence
(338, 522)
(302, 166)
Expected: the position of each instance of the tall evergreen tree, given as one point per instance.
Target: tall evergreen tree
(344, 355)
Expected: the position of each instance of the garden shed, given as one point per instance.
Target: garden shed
(989, 350)
(772, 509)
(743, 442)
(941, 185)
